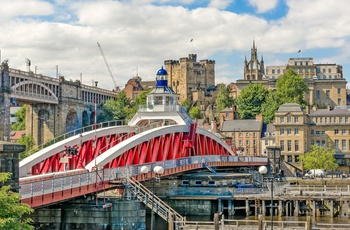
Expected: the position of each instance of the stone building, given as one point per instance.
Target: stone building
(326, 83)
(243, 135)
(193, 81)
(297, 131)
(135, 86)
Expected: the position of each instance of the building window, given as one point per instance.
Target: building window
(336, 131)
(254, 134)
(289, 158)
(296, 131)
(329, 70)
(327, 94)
(289, 131)
(343, 131)
(339, 101)
(246, 134)
(340, 119)
(289, 145)
(281, 119)
(312, 132)
(323, 144)
(323, 133)
(339, 90)
(266, 142)
(247, 142)
(343, 145)
(240, 142)
(317, 133)
(281, 132)
(306, 63)
(296, 119)
(336, 145)
(240, 134)
(282, 145)
(317, 94)
(296, 158)
(296, 146)
(346, 119)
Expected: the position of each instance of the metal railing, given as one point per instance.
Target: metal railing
(55, 182)
(82, 130)
(152, 201)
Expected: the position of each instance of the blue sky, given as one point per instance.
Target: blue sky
(138, 35)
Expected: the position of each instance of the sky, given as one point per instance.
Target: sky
(137, 36)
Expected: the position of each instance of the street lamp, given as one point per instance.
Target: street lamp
(158, 170)
(263, 171)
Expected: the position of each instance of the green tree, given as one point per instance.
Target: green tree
(186, 104)
(195, 112)
(13, 213)
(319, 158)
(291, 88)
(20, 119)
(116, 109)
(250, 101)
(223, 98)
(270, 106)
(29, 142)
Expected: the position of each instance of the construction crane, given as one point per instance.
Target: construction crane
(108, 67)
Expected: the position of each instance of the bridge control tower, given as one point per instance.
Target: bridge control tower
(162, 106)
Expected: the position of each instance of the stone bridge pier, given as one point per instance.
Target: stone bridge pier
(44, 121)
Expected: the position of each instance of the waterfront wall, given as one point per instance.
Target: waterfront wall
(122, 214)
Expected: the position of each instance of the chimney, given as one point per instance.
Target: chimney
(258, 117)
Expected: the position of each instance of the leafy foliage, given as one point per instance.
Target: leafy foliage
(116, 109)
(20, 119)
(29, 142)
(270, 106)
(250, 101)
(186, 104)
(13, 214)
(291, 88)
(319, 158)
(195, 112)
(223, 98)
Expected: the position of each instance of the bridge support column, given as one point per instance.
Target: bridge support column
(230, 208)
(247, 208)
(314, 208)
(263, 207)
(280, 208)
(171, 222)
(331, 208)
(296, 208)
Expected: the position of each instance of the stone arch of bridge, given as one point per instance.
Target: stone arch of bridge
(72, 120)
(85, 118)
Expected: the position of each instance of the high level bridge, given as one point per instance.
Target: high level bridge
(54, 105)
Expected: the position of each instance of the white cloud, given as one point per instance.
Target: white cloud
(220, 4)
(263, 6)
(20, 8)
(137, 38)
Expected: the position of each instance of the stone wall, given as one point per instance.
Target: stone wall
(126, 215)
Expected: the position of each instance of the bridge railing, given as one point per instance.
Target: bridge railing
(82, 130)
(64, 180)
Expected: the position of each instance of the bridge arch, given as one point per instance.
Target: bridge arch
(85, 119)
(72, 120)
(38, 88)
(160, 144)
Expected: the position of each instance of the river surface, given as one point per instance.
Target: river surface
(160, 224)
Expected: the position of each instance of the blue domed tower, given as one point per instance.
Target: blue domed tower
(162, 104)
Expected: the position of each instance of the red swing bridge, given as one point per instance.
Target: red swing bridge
(160, 134)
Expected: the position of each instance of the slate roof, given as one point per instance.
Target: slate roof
(242, 125)
(290, 107)
(326, 112)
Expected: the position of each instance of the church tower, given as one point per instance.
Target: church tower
(254, 70)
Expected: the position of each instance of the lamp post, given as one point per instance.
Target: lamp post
(158, 170)
(263, 171)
